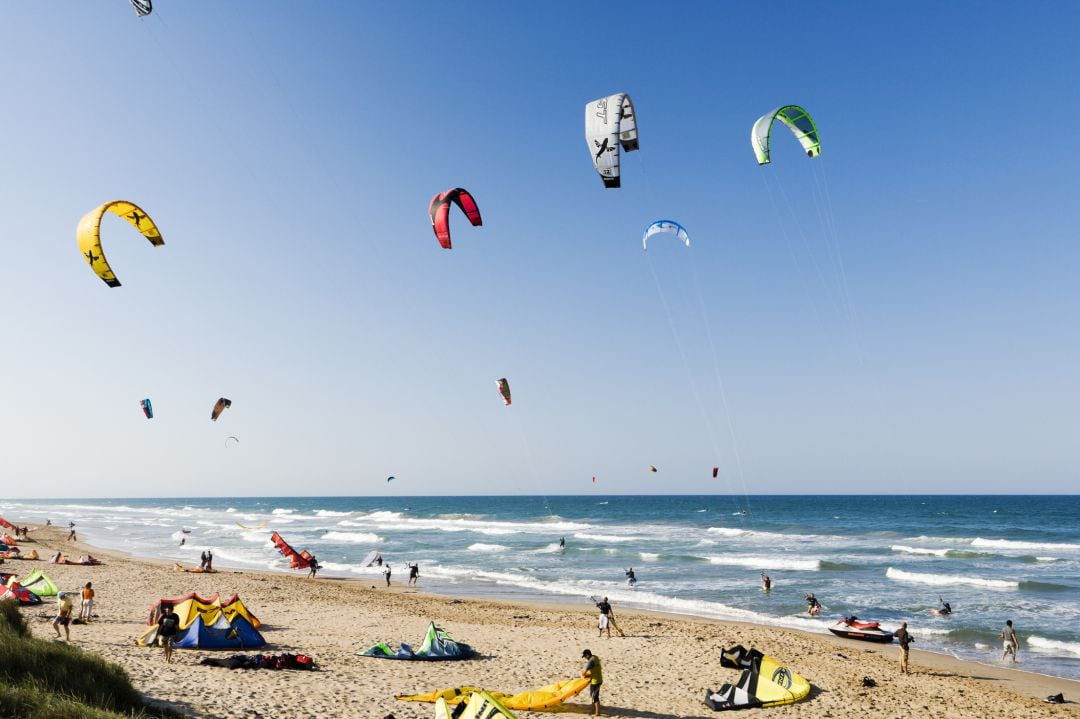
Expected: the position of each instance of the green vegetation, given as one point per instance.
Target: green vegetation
(57, 680)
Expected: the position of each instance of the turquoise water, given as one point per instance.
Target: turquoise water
(887, 558)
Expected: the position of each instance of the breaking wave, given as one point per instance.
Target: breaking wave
(946, 580)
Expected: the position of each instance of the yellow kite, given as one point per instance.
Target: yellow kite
(88, 235)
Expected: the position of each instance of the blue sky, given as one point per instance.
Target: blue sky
(921, 337)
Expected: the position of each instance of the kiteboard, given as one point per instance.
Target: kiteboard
(370, 558)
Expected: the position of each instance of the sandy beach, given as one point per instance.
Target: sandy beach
(662, 667)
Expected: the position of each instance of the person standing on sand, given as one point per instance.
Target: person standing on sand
(313, 567)
(63, 615)
(905, 639)
(1011, 643)
(87, 603)
(168, 627)
(607, 616)
(71, 535)
(595, 675)
(386, 571)
(209, 561)
(202, 560)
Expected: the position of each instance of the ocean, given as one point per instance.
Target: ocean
(884, 558)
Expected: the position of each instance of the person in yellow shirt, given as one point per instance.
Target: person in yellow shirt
(594, 673)
(63, 614)
(87, 603)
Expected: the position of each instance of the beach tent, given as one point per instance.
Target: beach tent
(208, 625)
(231, 607)
(764, 682)
(437, 645)
(547, 697)
(481, 705)
(39, 584)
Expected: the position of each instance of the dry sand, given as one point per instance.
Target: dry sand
(661, 668)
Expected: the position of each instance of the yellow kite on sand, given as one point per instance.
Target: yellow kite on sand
(540, 699)
(481, 706)
(88, 235)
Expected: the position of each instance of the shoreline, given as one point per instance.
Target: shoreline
(662, 667)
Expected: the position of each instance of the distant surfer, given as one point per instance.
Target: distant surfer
(182, 540)
(813, 606)
(631, 580)
(944, 610)
(766, 582)
(562, 542)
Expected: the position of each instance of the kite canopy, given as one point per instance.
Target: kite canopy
(40, 584)
(88, 235)
(234, 439)
(220, 406)
(437, 646)
(798, 121)
(715, 471)
(207, 624)
(439, 209)
(142, 7)
(504, 390)
(545, 697)
(481, 705)
(665, 227)
(610, 122)
(147, 408)
(763, 683)
(297, 560)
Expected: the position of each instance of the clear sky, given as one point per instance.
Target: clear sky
(900, 315)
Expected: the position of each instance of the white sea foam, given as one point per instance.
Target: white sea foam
(548, 548)
(1052, 646)
(945, 580)
(330, 513)
(727, 531)
(1046, 559)
(352, 537)
(481, 547)
(609, 537)
(282, 510)
(231, 509)
(649, 556)
(918, 550)
(770, 562)
(1027, 546)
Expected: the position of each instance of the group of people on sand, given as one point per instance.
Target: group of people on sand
(65, 607)
(206, 562)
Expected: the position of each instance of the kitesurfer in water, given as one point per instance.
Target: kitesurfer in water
(813, 606)
(945, 608)
(766, 582)
(562, 542)
(182, 540)
(630, 578)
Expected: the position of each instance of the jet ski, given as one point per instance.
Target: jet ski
(852, 628)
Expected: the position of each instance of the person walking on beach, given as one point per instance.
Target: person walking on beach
(595, 675)
(313, 568)
(386, 571)
(63, 615)
(414, 573)
(607, 617)
(209, 561)
(71, 534)
(905, 639)
(1010, 642)
(202, 560)
(168, 627)
(86, 612)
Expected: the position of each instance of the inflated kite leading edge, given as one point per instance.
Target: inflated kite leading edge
(88, 235)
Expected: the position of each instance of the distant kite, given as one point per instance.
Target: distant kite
(390, 478)
(797, 120)
(88, 235)
(594, 480)
(714, 471)
(504, 390)
(652, 468)
(610, 122)
(147, 408)
(220, 406)
(142, 7)
(439, 209)
(234, 439)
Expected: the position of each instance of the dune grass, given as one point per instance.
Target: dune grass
(60, 681)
